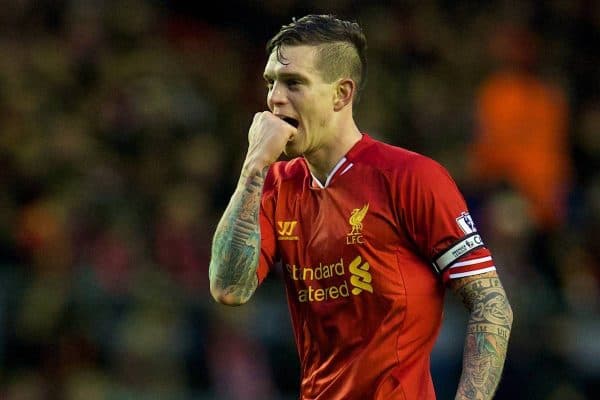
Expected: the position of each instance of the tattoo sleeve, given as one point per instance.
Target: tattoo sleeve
(488, 331)
(236, 243)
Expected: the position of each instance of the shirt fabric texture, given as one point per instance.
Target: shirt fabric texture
(365, 258)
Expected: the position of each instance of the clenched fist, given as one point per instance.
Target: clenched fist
(267, 138)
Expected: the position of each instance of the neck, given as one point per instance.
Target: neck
(323, 160)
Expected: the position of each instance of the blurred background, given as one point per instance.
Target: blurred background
(122, 130)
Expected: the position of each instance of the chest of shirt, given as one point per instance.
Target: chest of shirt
(332, 221)
(339, 239)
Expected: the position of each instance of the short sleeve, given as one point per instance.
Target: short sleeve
(268, 248)
(437, 220)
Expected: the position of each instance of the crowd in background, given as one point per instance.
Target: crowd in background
(122, 130)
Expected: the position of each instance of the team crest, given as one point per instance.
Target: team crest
(355, 221)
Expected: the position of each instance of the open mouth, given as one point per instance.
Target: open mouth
(293, 122)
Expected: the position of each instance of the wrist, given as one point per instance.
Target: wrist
(253, 168)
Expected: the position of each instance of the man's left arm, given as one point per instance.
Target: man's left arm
(488, 331)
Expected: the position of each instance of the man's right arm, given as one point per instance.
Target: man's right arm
(236, 243)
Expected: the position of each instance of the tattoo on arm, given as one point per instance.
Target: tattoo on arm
(236, 243)
(488, 331)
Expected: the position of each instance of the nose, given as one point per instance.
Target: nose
(277, 96)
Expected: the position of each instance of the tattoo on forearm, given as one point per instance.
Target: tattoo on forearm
(236, 243)
(488, 332)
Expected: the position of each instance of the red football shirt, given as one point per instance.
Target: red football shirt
(365, 257)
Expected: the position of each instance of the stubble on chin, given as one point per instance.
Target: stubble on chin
(291, 150)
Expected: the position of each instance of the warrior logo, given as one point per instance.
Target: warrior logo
(286, 230)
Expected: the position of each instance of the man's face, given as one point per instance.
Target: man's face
(298, 94)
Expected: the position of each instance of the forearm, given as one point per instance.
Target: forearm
(488, 331)
(236, 243)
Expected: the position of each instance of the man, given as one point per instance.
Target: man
(368, 234)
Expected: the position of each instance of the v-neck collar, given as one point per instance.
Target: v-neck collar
(345, 162)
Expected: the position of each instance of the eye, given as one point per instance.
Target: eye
(292, 83)
(269, 83)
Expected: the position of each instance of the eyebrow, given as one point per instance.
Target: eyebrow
(284, 75)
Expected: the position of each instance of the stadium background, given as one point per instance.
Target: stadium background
(122, 129)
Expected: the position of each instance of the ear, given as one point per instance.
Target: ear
(344, 93)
